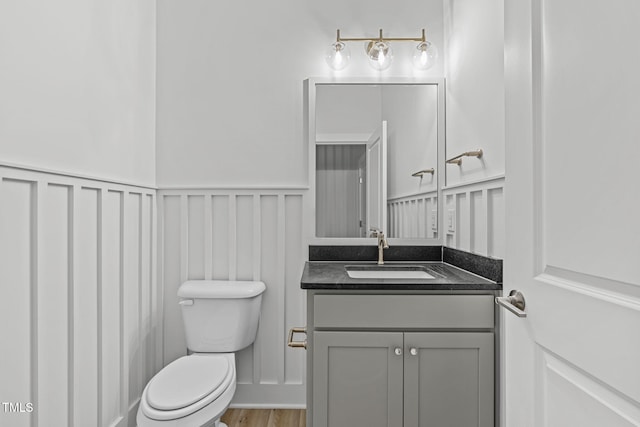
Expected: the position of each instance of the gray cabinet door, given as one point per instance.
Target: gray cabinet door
(357, 379)
(449, 379)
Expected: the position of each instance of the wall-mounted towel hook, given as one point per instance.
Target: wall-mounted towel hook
(423, 172)
(457, 160)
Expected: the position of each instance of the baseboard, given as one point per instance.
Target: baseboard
(277, 396)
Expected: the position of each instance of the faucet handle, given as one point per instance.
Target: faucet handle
(385, 244)
(375, 232)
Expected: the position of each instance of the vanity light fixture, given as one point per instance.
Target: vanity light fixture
(338, 55)
(379, 52)
(425, 55)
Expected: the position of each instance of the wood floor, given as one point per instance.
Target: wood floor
(237, 417)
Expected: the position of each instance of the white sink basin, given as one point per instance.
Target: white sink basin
(387, 272)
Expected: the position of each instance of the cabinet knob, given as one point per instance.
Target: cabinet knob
(398, 351)
(413, 351)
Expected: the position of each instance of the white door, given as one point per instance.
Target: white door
(572, 70)
(362, 196)
(377, 179)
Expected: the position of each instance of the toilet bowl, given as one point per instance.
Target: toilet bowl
(220, 317)
(193, 390)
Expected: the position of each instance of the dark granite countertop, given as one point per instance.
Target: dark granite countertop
(333, 275)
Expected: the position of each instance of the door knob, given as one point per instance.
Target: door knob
(413, 351)
(514, 303)
(397, 351)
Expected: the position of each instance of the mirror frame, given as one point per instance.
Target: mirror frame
(309, 131)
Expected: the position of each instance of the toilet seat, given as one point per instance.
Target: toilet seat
(187, 385)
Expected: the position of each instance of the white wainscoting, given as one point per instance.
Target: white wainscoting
(240, 234)
(79, 309)
(413, 216)
(474, 217)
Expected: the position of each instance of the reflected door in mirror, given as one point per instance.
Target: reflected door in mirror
(341, 190)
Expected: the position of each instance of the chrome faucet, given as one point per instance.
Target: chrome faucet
(382, 243)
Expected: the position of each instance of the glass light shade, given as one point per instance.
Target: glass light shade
(379, 54)
(338, 56)
(425, 55)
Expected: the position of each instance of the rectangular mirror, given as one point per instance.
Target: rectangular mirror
(375, 152)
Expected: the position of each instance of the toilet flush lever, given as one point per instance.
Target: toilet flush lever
(186, 302)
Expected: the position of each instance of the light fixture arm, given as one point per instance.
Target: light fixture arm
(381, 38)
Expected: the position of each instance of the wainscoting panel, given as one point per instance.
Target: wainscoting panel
(240, 234)
(78, 304)
(413, 216)
(474, 217)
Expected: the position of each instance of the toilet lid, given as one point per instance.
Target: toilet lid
(188, 380)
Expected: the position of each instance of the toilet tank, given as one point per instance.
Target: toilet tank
(220, 316)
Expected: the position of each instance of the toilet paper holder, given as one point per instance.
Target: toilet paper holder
(297, 344)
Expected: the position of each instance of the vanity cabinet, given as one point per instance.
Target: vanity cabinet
(389, 360)
(357, 379)
(449, 379)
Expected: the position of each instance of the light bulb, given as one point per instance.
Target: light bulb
(338, 56)
(425, 55)
(379, 54)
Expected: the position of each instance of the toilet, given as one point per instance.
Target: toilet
(220, 318)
